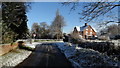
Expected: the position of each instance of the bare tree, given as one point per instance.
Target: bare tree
(92, 10)
(111, 31)
(57, 25)
(44, 30)
(35, 28)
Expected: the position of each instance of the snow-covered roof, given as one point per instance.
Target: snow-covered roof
(78, 28)
(94, 29)
(83, 28)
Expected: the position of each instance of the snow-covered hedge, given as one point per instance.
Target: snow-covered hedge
(104, 47)
(82, 57)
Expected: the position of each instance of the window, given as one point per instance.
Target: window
(91, 29)
(90, 33)
(86, 33)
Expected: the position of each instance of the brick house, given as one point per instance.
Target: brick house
(85, 31)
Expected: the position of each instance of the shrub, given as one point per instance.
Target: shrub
(76, 38)
(26, 48)
(36, 40)
(103, 47)
(117, 37)
(22, 46)
(104, 38)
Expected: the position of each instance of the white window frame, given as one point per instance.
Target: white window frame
(90, 33)
(90, 29)
(86, 33)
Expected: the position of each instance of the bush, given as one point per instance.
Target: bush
(22, 46)
(103, 47)
(20, 42)
(66, 39)
(26, 48)
(103, 38)
(76, 38)
(117, 37)
(36, 40)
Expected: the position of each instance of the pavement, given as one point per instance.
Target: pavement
(46, 55)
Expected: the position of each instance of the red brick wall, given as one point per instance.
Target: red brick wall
(88, 31)
(83, 33)
(7, 48)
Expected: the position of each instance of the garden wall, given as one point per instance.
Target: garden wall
(5, 48)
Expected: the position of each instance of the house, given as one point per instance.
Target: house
(85, 31)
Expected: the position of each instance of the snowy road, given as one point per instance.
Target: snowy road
(46, 56)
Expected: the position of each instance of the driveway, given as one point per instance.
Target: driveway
(46, 55)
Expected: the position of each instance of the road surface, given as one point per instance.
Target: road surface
(46, 56)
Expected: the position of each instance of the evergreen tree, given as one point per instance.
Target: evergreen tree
(14, 21)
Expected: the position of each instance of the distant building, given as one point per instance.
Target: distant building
(85, 31)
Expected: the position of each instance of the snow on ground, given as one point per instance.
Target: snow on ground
(116, 42)
(84, 58)
(32, 45)
(16, 56)
(13, 58)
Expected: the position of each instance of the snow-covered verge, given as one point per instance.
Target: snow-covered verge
(13, 58)
(32, 45)
(111, 48)
(16, 56)
(85, 58)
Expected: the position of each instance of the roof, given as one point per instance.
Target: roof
(83, 28)
(94, 29)
(78, 28)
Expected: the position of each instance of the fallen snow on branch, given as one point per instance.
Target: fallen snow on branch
(82, 57)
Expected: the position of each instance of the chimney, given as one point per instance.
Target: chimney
(86, 24)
